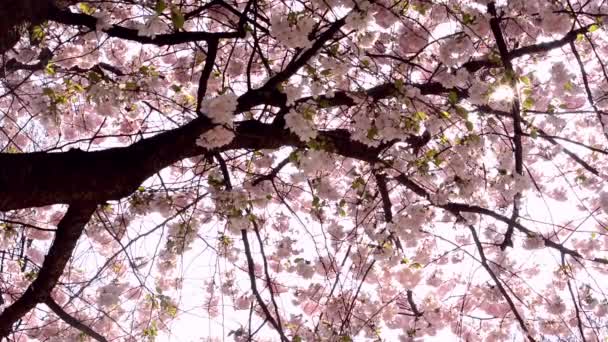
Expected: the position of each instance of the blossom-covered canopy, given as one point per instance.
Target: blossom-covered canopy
(303, 170)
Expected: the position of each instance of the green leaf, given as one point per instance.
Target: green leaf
(444, 114)
(48, 92)
(469, 125)
(152, 331)
(420, 116)
(324, 103)
(85, 8)
(316, 202)
(334, 49)
(534, 133)
(50, 69)
(326, 72)
(430, 154)
(468, 18)
(160, 6)
(308, 113)
(495, 58)
(292, 18)
(177, 18)
(372, 132)
(462, 112)
(294, 157)
(437, 160)
(144, 69)
(314, 144)
(580, 37)
(225, 240)
(528, 103)
(131, 85)
(94, 77)
(453, 97)
(358, 182)
(416, 266)
(420, 8)
(37, 33)
(310, 70)
(399, 84)
(594, 28)
(525, 80)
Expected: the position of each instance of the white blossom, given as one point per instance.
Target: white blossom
(292, 92)
(153, 26)
(555, 22)
(109, 295)
(221, 109)
(478, 92)
(216, 137)
(290, 34)
(300, 126)
(367, 39)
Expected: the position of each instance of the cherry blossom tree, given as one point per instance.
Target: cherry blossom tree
(335, 170)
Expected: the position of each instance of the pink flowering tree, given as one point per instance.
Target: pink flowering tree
(297, 170)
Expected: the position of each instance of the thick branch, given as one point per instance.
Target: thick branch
(206, 73)
(39, 179)
(67, 17)
(69, 230)
(387, 206)
(386, 200)
(548, 46)
(515, 114)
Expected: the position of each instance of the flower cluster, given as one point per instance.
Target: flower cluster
(291, 31)
(220, 109)
(300, 125)
(151, 27)
(216, 137)
(109, 295)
